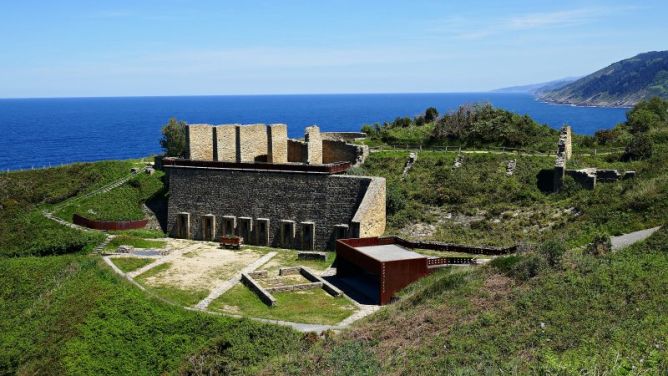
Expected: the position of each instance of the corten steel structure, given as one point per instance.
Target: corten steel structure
(387, 263)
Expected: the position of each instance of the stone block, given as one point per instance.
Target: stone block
(199, 138)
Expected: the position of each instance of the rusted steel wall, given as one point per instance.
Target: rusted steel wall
(108, 225)
(449, 261)
(398, 274)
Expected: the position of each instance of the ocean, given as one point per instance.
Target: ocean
(50, 132)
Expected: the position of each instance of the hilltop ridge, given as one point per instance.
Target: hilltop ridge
(621, 84)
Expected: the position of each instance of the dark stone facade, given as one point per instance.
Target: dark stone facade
(324, 200)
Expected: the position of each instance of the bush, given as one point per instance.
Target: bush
(553, 250)
(396, 199)
(640, 147)
(601, 245)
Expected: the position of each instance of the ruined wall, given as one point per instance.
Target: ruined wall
(297, 151)
(326, 200)
(585, 177)
(335, 151)
(342, 136)
(226, 144)
(370, 217)
(278, 143)
(252, 143)
(199, 138)
(313, 144)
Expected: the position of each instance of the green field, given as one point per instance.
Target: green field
(309, 306)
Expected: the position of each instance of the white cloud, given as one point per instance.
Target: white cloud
(470, 28)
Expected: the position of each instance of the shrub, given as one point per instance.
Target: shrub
(640, 147)
(553, 250)
(396, 199)
(601, 245)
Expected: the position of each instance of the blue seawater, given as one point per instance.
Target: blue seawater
(49, 132)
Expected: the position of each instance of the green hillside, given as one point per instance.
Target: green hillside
(623, 83)
(558, 306)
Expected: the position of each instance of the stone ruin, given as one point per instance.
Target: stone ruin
(269, 143)
(253, 182)
(586, 177)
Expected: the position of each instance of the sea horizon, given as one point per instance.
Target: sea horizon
(52, 131)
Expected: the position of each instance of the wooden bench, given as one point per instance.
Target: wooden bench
(231, 242)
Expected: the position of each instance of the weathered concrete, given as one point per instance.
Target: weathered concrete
(261, 292)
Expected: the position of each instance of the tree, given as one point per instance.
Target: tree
(173, 139)
(430, 115)
(640, 147)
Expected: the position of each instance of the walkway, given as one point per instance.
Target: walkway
(623, 241)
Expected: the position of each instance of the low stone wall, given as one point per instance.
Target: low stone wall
(263, 294)
(108, 225)
(328, 287)
(297, 287)
(585, 177)
(292, 270)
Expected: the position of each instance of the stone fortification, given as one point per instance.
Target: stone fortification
(302, 210)
(269, 143)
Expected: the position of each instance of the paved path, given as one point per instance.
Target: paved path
(623, 241)
(223, 287)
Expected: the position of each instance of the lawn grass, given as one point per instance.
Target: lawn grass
(128, 264)
(309, 306)
(135, 242)
(123, 203)
(71, 315)
(172, 294)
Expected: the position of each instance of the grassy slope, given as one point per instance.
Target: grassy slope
(71, 315)
(588, 315)
(24, 194)
(122, 203)
(514, 208)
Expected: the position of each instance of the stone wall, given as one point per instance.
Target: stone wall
(252, 143)
(297, 151)
(586, 177)
(278, 143)
(325, 200)
(225, 139)
(370, 218)
(199, 138)
(334, 151)
(313, 145)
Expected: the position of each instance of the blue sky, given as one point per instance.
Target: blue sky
(177, 47)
